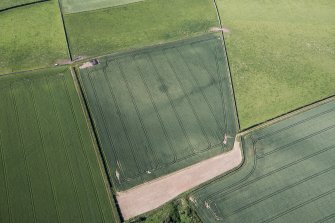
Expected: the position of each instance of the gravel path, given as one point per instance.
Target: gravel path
(153, 194)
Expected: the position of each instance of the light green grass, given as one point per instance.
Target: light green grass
(5, 4)
(282, 54)
(50, 169)
(136, 25)
(31, 37)
(287, 176)
(161, 109)
(73, 6)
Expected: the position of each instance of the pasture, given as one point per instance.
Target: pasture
(7, 4)
(282, 54)
(287, 176)
(50, 169)
(161, 108)
(74, 6)
(136, 25)
(31, 37)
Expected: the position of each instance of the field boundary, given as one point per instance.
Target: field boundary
(22, 5)
(98, 150)
(104, 8)
(33, 70)
(65, 31)
(288, 114)
(229, 70)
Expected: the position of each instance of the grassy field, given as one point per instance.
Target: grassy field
(135, 25)
(50, 170)
(31, 37)
(5, 4)
(160, 109)
(288, 174)
(74, 6)
(282, 54)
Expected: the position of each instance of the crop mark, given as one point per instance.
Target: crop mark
(211, 76)
(129, 139)
(121, 120)
(171, 103)
(201, 90)
(138, 115)
(182, 87)
(156, 110)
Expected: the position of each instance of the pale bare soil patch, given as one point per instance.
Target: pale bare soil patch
(153, 194)
(218, 29)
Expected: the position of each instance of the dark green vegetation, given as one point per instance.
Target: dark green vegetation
(31, 37)
(135, 25)
(177, 211)
(73, 6)
(282, 54)
(161, 109)
(50, 170)
(5, 4)
(288, 174)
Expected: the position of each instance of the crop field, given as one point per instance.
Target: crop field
(113, 29)
(74, 6)
(282, 54)
(31, 37)
(287, 176)
(50, 170)
(160, 109)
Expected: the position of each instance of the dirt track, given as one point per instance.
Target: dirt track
(155, 193)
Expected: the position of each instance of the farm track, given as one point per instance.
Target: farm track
(153, 194)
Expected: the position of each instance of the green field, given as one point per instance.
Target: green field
(50, 169)
(5, 4)
(135, 25)
(287, 176)
(161, 109)
(282, 54)
(74, 6)
(31, 37)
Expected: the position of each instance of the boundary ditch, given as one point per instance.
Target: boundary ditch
(225, 49)
(65, 31)
(22, 5)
